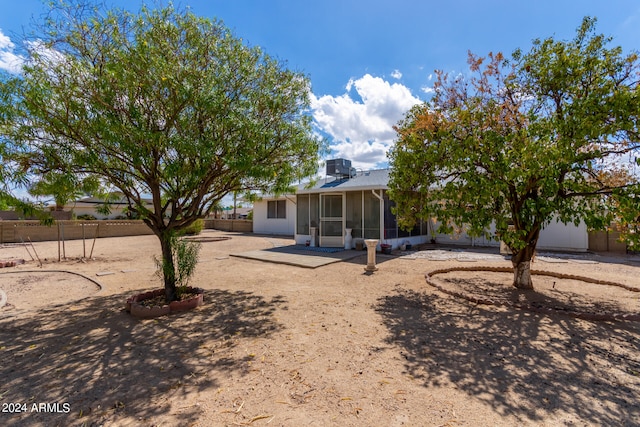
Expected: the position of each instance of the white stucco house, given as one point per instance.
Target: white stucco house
(348, 206)
(275, 215)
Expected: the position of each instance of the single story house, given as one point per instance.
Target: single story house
(89, 205)
(347, 206)
(228, 213)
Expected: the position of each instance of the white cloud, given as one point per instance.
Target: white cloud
(362, 130)
(39, 48)
(396, 74)
(427, 89)
(9, 61)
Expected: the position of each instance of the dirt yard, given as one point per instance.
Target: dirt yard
(280, 345)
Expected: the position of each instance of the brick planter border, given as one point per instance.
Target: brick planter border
(133, 306)
(634, 317)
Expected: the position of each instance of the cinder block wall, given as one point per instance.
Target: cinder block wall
(18, 231)
(239, 225)
(606, 241)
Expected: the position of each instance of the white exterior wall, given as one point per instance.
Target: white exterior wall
(462, 238)
(91, 210)
(279, 226)
(556, 236)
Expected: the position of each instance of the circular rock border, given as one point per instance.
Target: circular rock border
(544, 310)
(207, 239)
(4, 301)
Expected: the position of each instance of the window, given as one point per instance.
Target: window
(277, 209)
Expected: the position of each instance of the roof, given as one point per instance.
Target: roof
(369, 180)
(377, 179)
(119, 199)
(94, 201)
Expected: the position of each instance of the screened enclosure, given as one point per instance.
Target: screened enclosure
(361, 211)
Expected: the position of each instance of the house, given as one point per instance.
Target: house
(275, 215)
(342, 209)
(90, 206)
(348, 206)
(237, 213)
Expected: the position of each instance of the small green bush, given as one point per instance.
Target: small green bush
(86, 217)
(184, 255)
(195, 228)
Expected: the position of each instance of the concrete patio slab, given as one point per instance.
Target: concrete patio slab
(299, 256)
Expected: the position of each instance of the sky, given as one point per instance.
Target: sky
(370, 61)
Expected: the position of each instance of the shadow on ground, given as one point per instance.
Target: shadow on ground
(110, 367)
(531, 366)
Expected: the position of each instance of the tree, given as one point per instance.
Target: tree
(166, 105)
(522, 142)
(64, 187)
(13, 171)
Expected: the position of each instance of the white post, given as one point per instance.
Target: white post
(312, 230)
(371, 255)
(348, 239)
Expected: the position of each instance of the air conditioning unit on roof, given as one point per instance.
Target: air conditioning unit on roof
(340, 168)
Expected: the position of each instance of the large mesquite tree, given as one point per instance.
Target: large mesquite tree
(162, 104)
(13, 170)
(521, 142)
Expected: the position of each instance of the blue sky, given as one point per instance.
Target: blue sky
(370, 61)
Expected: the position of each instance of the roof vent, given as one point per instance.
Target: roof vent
(340, 168)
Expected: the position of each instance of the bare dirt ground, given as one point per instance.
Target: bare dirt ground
(279, 345)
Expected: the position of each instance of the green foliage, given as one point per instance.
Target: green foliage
(14, 155)
(129, 213)
(161, 103)
(195, 228)
(182, 263)
(520, 142)
(624, 207)
(64, 186)
(86, 217)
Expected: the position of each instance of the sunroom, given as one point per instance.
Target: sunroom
(342, 211)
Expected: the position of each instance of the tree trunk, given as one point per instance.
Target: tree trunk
(522, 275)
(168, 267)
(522, 268)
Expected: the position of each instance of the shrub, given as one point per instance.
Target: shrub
(195, 228)
(185, 259)
(86, 217)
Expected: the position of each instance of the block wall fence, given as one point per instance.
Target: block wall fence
(19, 231)
(239, 225)
(23, 230)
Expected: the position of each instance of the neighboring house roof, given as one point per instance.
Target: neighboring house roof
(239, 211)
(94, 201)
(119, 201)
